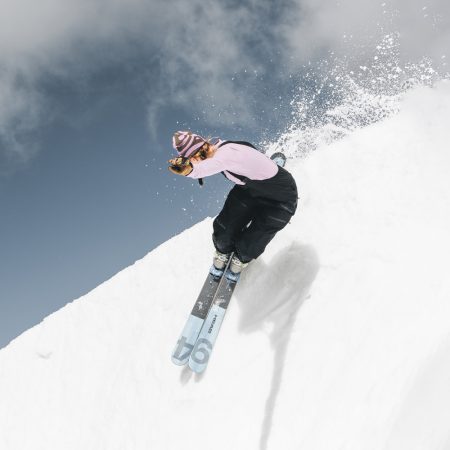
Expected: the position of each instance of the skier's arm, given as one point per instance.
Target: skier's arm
(207, 167)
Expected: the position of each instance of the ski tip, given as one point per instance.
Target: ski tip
(179, 362)
(279, 158)
(197, 368)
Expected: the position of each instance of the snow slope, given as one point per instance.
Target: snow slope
(338, 336)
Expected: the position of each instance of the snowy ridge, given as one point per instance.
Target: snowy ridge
(337, 337)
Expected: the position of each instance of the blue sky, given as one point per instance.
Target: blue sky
(91, 92)
(94, 198)
(84, 186)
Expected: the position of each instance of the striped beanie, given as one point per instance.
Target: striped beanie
(186, 143)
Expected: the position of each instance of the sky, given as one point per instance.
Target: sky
(91, 92)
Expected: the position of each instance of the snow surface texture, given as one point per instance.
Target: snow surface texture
(338, 336)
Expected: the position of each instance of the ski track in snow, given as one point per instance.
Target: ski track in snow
(336, 338)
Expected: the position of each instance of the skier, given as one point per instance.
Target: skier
(260, 204)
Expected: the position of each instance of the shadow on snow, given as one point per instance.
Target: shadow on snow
(274, 297)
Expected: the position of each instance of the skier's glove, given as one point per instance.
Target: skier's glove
(180, 166)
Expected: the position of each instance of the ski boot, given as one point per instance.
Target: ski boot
(220, 261)
(236, 267)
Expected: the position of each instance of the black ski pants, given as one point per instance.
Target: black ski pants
(249, 220)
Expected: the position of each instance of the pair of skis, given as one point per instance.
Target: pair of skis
(202, 327)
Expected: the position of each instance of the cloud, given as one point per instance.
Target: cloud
(38, 40)
(204, 55)
(195, 46)
(216, 53)
(352, 26)
(20, 113)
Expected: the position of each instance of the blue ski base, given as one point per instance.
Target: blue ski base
(203, 347)
(196, 319)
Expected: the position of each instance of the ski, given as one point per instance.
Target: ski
(202, 349)
(279, 158)
(191, 330)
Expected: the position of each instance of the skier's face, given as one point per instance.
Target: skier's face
(196, 158)
(205, 152)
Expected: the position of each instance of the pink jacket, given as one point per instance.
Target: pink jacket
(239, 159)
